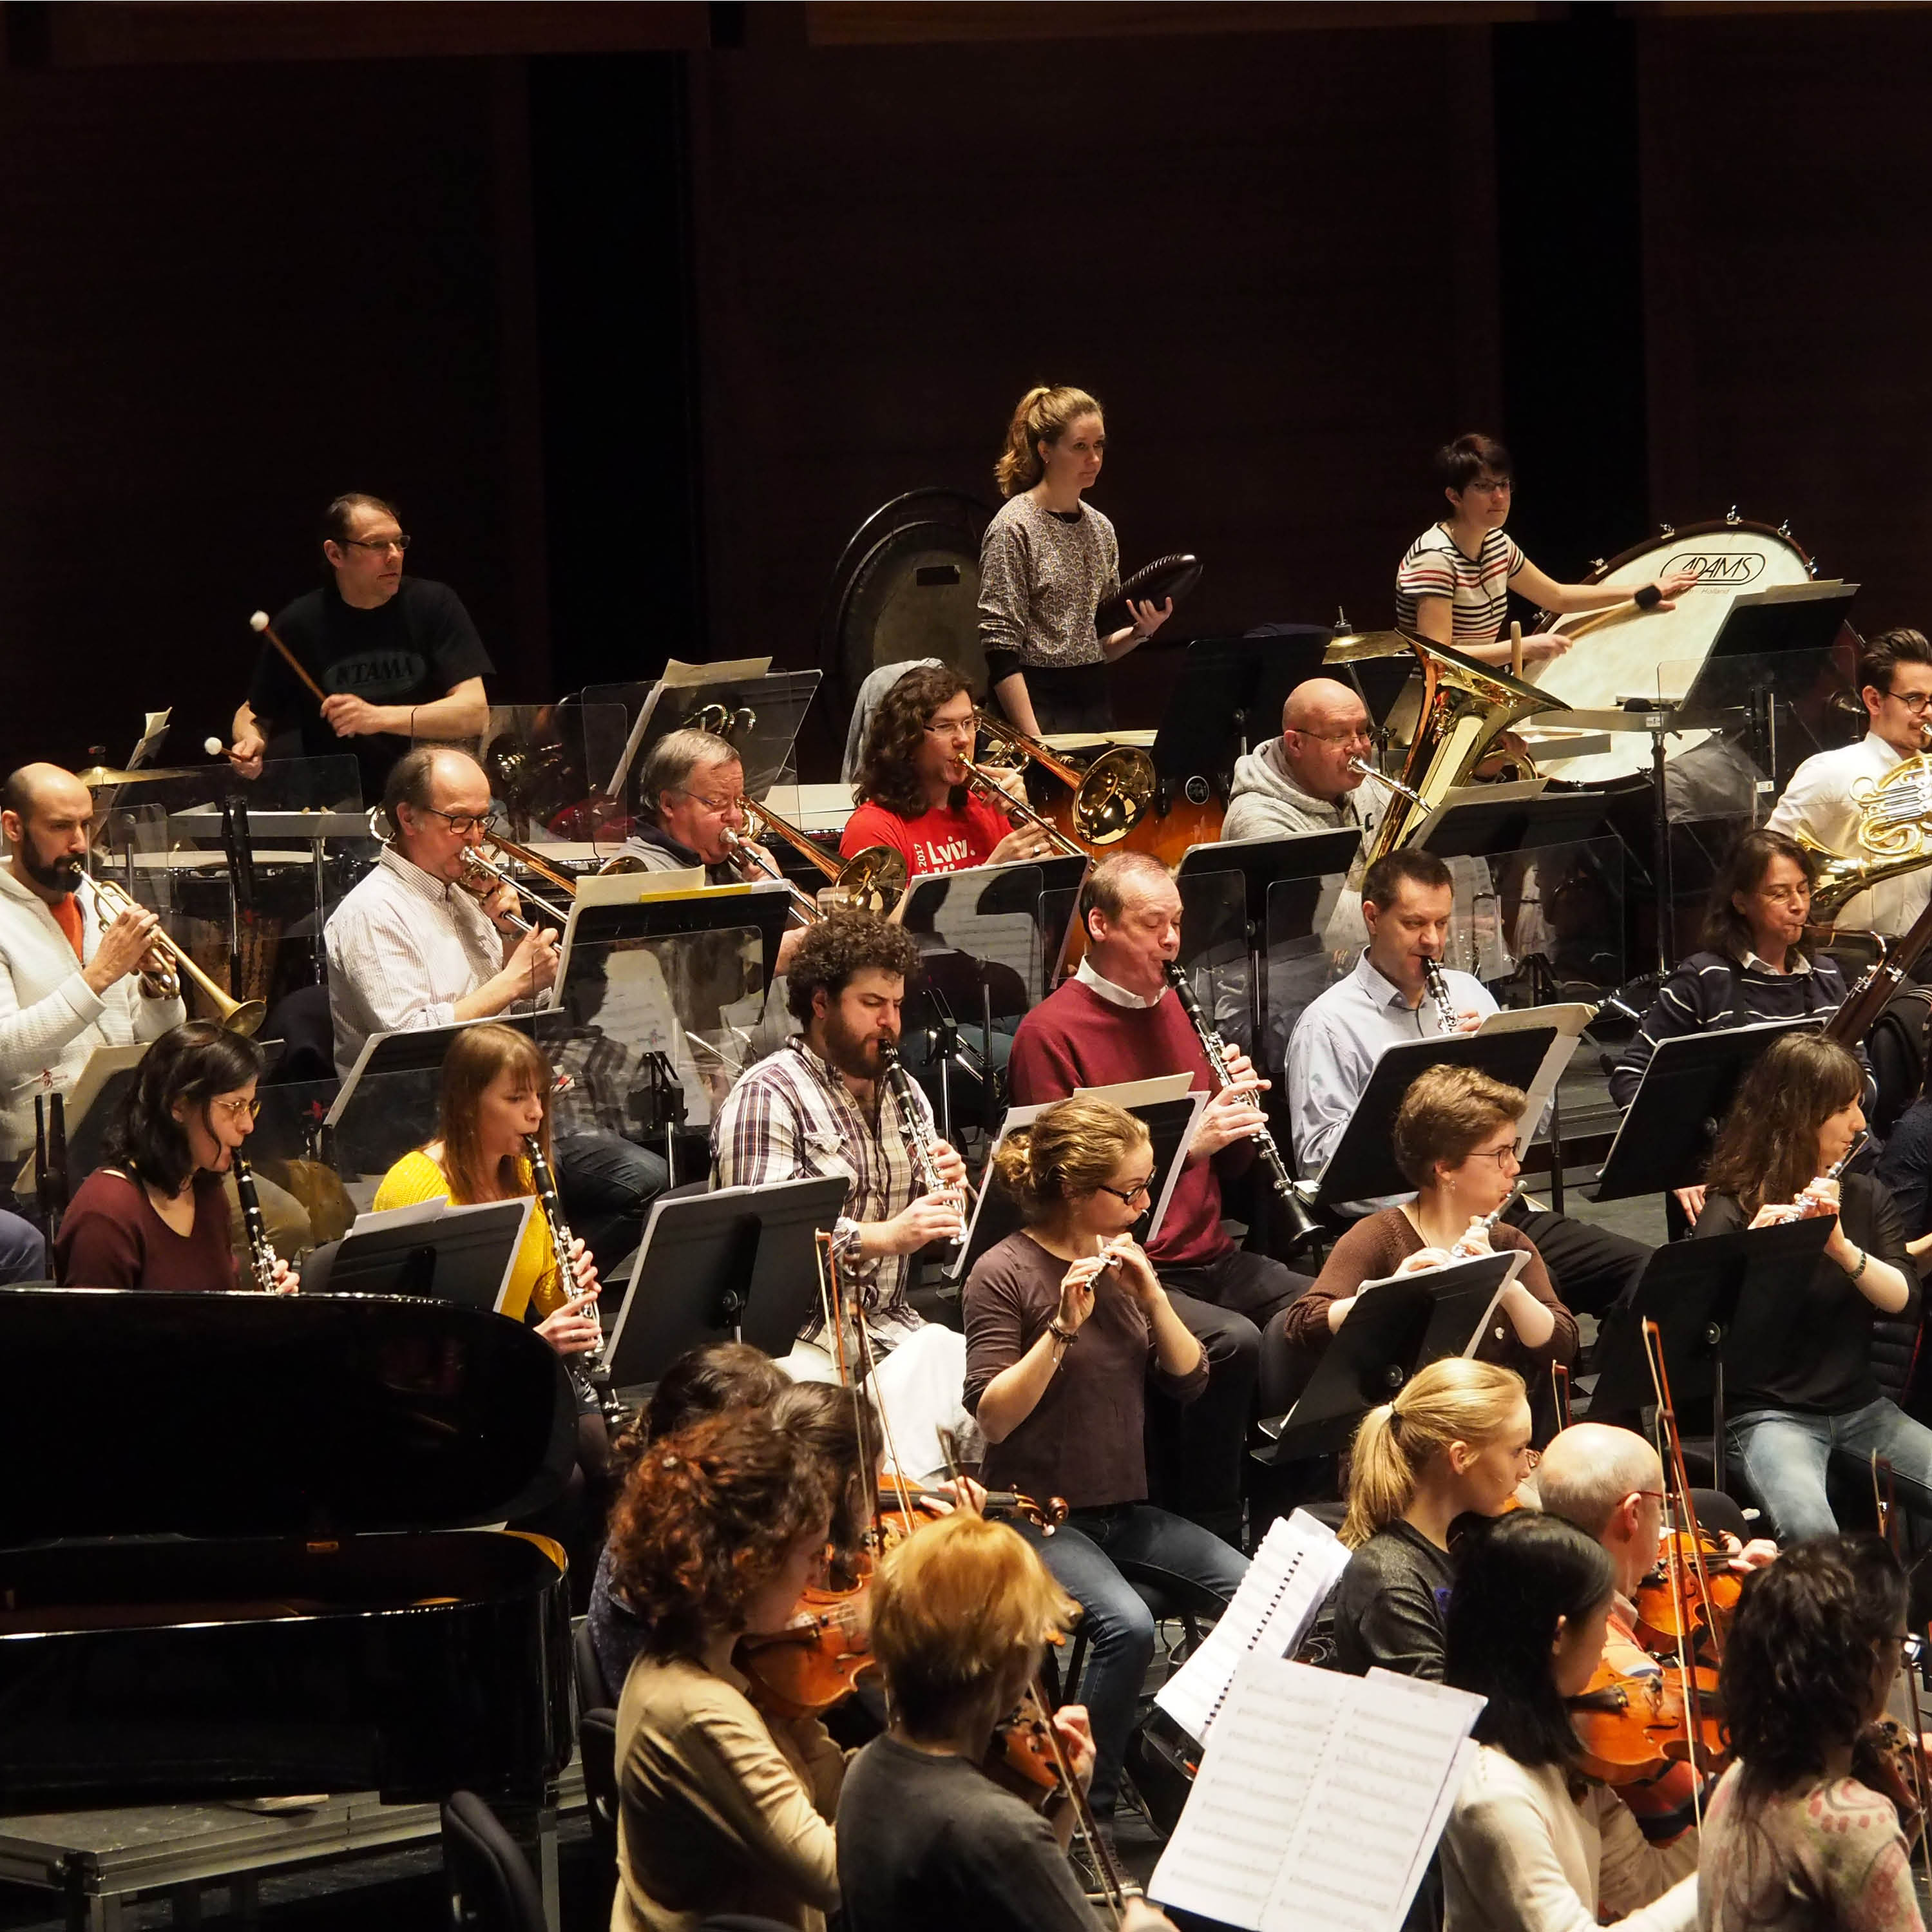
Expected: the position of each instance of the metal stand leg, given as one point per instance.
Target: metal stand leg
(1667, 891)
(547, 1866)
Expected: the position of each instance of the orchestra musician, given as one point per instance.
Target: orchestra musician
(1806, 1388)
(397, 657)
(1304, 780)
(961, 1615)
(1795, 1836)
(1454, 1441)
(1895, 674)
(1455, 1139)
(817, 1107)
(1453, 584)
(1904, 1170)
(913, 792)
(1117, 1019)
(1067, 1322)
(722, 1809)
(1530, 1846)
(1407, 899)
(1047, 563)
(154, 1214)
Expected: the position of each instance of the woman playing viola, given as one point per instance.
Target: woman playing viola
(1454, 1441)
(1531, 1846)
(1794, 1840)
(1801, 1384)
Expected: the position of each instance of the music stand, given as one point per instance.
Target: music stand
(1229, 696)
(91, 1103)
(1362, 1167)
(765, 904)
(756, 710)
(1479, 828)
(738, 1263)
(1691, 1290)
(1686, 1090)
(463, 1255)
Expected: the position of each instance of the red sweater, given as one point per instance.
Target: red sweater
(1074, 1038)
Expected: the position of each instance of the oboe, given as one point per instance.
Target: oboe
(912, 1130)
(262, 1258)
(1437, 981)
(594, 1368)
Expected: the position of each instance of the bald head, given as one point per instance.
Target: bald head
(34, 789)
(1323, 724)
(436, 798)
(44, 814)
(1590, 1467)
(1322, 704)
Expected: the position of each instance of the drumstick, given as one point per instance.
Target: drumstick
(260, 621)
(1648, 598)
(1515, 650)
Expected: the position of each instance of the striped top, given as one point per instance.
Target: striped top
(1477, 589)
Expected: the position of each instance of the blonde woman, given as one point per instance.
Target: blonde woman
(1065, 1322)
(1454, 1442)
(1047, 563)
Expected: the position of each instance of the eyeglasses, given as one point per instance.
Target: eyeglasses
(951, 727)
(1498, 1155)
(722, 806)
(398, 543)
(1140, 1191)
(462, 822)
(1361, 735)
(237, 1109)
(1916, 702)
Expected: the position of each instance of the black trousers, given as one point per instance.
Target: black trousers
(1196, 1451)
(1592, 1269)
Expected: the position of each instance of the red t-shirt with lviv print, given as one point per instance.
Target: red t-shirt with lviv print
(938, 841)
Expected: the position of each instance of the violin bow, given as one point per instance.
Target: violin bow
(854, 1374)
(1886, 1501)
(1113, 1888)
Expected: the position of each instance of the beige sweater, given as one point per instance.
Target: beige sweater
(1521, 1855)
(718, 1809)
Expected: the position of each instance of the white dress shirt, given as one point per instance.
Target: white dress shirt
(403, 947)
(51, 1019)
(1337, 1041)
(1818, 801)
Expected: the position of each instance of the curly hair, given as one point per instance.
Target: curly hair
(887, 776)
(1796, 1679)
(701, 1382)
(193, 1062)
(842, 944)
(1767, 1149)
(706, 1520)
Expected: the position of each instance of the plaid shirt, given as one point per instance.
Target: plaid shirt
(791, 1118)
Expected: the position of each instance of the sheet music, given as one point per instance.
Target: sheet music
(1300, 1561)
(1318, 1801)
(1569, 1017)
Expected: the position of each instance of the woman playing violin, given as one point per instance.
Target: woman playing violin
(1454, 1441)
(1455, 1139)
(1530, 1847)
(961, 1616)
(1801, 1382)
(1794, 1840)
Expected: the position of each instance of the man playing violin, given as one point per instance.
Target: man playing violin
(1894, 676)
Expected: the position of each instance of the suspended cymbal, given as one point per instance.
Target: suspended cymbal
(105, 774)
(1353, 649)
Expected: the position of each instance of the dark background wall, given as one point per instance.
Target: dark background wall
(639, 324)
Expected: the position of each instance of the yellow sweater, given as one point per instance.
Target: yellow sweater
(415, 1177)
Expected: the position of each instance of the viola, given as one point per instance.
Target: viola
(1634, 1727)
(1701, 1593)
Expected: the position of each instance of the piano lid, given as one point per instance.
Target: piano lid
(135, 1412)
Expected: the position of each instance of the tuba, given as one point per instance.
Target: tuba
(1465, 707)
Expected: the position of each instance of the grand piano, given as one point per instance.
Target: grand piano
(243, 1550)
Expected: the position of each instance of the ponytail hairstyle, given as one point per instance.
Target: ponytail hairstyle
(1453, 1400)
(1072, 1148)
(193, 1062)
(1043, 416)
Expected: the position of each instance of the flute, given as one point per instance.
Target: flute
(1463, 1248)
(595, 1369)
(1797, 1210)
(262, 1258)
(912, 1130)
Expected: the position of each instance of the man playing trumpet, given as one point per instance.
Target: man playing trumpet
(1895, 682)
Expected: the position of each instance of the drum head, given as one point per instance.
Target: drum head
(1656, 654)
(1166, 577)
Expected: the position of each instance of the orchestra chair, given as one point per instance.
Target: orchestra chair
(300, 1020)
(597, 1752)
(491, 1886)
(1168, 1599)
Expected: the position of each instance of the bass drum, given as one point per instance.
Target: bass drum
(1657, 654)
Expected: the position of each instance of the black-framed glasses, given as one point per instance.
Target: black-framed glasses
(1359, 735)
(1498, 1155)
(462, 822)
(400, 542)
(1916, 702)
(1141, 1190)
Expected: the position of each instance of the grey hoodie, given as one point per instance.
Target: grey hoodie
(1266, 803)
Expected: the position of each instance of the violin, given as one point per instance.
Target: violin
(1695, 1602)
(1891, 1762)
(1633, 1726)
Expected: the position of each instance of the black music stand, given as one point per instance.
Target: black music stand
(765, 904)
(1362, 1167)
(462, 1255)
(1394, 1328)
(739, 1264)
(1228, 698)
(1685, 1092)
(757, 710)
(1479, 828)
(1691, 1290)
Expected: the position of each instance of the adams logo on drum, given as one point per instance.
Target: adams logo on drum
(1727, 568)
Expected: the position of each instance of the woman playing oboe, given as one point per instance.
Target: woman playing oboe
(1800, 1381)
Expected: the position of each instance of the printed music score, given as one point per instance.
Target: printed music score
(1300, 1561)
(1319, 1799)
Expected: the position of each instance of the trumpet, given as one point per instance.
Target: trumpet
(1110, 797)
(995, 794)
(241, 1016)
(872, 879)
(1802, 1210)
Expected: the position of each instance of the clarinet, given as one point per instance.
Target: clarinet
(912, 1130)
(594, 1368)
(262, 1258)
(1437, 981)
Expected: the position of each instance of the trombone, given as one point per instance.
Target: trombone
(1110, 797)
(241, 1016)
(473, 861)
(996, 795)
(873, 879)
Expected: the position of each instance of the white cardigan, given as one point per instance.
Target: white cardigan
(1521, 1855)
(50, 1019)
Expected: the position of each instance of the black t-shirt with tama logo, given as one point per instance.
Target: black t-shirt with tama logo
(414, 649)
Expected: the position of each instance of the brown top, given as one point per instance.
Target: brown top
(111, 1237)
(1083, 1440)
(1376, 1246)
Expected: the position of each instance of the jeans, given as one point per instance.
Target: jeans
(1784, 1456)
(23, 1250)
(1093, 1556)
(607, 1184)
